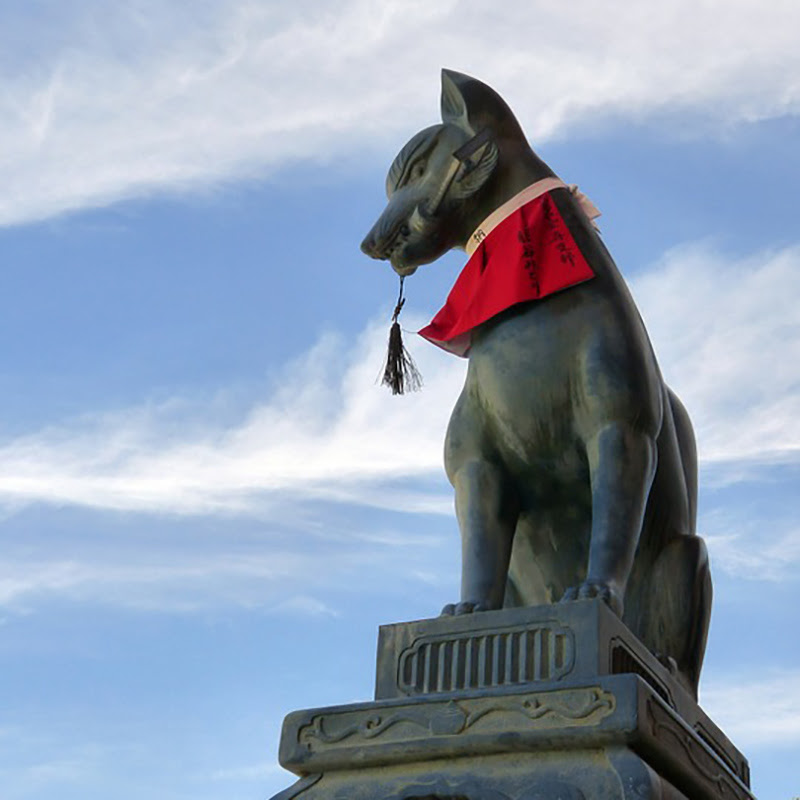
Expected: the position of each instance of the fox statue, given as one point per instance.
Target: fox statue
(574, 466)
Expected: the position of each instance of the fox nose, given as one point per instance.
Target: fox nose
(378, 243)
(368, 246)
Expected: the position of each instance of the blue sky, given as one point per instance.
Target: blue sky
(207, 505)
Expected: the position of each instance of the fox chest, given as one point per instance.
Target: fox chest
(523, 404)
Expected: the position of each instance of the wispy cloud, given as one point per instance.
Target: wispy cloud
(728, 337)
(756, 710)
(33, 764)
(776, 558)
(304, 605)
(320, 437)
(730, 347)
(269, 573)
(140, 97)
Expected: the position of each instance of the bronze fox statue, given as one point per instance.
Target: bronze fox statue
(574, 465)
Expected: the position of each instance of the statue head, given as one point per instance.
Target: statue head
(449, 177)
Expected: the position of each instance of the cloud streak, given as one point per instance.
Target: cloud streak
(150, 96)
(324, 439)
(265, 570)
(728, 339)
(730, 348)
(757, 711)
(730, 537)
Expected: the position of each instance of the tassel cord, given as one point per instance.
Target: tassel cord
(400, 373)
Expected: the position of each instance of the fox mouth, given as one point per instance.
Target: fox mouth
(396, 257)
(396, 243)
(403, 270)
(401, 243)
(397, 239)
(395, 251)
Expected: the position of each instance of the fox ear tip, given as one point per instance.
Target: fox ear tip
(452, 75)
(453, 103)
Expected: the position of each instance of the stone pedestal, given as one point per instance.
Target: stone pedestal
(554, 702)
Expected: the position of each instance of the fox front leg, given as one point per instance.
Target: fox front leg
(622, 462)
(487, 519)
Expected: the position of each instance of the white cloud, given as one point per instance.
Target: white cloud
(168, 579)
(305, 606)
(331, 436)
(776, 558)
(140, 97)
(729, 342)
(33, 764)
(181, 567)
(727, 334)
(319, 437)
(756, 711)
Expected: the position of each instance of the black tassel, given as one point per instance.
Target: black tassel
(400, 374)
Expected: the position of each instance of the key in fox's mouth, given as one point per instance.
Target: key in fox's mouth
(394, 252)
(404, 270)
(398, 263)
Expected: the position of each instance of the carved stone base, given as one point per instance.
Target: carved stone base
(546, 703)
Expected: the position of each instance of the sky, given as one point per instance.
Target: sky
(207, 503)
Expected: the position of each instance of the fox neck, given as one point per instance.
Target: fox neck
(517, 168)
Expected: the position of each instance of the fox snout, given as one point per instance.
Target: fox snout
(370, 247)
(391, 237)
(428, 186)
(380, 244)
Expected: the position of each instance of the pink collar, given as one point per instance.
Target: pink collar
(525, 196)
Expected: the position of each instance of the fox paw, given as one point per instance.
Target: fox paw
(589, 589)
(464, 607)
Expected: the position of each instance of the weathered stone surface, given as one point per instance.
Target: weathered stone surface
(590, 725)
(537, 646)
(388, 731)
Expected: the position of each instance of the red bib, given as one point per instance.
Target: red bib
(528, 255)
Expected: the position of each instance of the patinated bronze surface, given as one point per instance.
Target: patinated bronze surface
(556, 702)
(573, 464)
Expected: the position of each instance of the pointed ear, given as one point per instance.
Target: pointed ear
(454, 107)
(475, 172)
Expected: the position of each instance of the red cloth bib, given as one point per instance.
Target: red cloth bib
(527, 256)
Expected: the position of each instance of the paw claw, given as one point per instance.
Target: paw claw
(591, 589)
(464, 607)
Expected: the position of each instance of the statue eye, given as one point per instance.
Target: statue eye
(418, 170)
